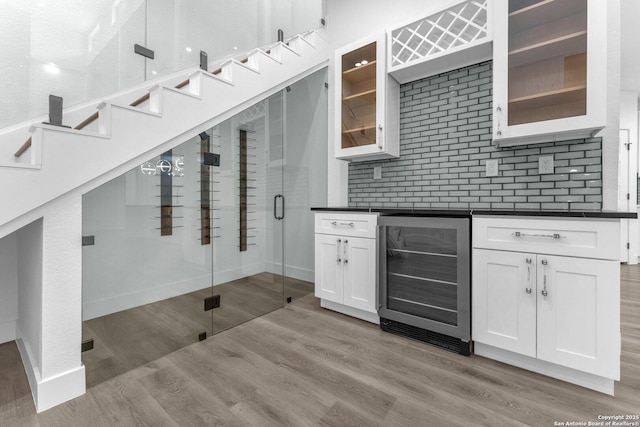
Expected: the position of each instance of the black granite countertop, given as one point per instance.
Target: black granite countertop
(471, 212)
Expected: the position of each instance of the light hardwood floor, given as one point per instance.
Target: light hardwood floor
(128, 339)
(303, 365)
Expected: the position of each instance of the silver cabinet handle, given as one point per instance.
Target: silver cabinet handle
(348, 224)
(338, 251)
(528, 288)
(380, 137)
(544, 279)
(346, 260)
(553, 236)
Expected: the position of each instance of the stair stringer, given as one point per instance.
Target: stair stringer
(73, 160)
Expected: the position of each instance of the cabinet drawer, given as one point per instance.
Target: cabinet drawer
(345, 224)
(570, 237)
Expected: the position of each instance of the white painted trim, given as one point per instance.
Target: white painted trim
(181, 92)
(63, 129)
(114, 304)
(134, 109)
(291, 271)
(350, 311)
(264, 53)
(299, 273)
(61, 388)
(20, 165)
(30, 368)
(7, 331)
(231, 62)
(224, 276)
(584, 379)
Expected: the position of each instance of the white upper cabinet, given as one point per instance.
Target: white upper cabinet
(367, 107)
(550, 63)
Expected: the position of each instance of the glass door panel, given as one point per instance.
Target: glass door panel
(147, 270)
(547, 60)
(202, 226)
(359, 97)
(248, 217)
(305, 177)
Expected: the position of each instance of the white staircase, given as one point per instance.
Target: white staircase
(61, 160)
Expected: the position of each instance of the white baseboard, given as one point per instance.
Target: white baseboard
(105, 306)
(51, 391)
(231, 274)
(30, 367)
(291, 271)
(299, 273)
(113, 304)
(7, 331)
(61, 388)
(350, 311)
(584, 379)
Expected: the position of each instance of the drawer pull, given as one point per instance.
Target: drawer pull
(336, 223)
(553, 236)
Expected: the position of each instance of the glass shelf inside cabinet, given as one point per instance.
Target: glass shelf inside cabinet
(547, 60)
(359, 97)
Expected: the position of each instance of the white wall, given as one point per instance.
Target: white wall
(8, 287)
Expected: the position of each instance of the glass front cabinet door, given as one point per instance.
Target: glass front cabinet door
(550, 60)
(367, 103)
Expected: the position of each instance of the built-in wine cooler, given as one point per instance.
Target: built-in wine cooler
(424, 286)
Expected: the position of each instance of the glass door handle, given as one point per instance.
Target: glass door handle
(275, 206)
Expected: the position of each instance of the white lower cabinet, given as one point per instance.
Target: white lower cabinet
(347, 270)
(555, 314)
(345, 266)
(553, 308)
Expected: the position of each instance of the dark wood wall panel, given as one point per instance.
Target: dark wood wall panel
(243, 191)
(166, 194)
(205, 194)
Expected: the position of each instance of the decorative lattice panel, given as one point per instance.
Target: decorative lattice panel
(459, 25)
